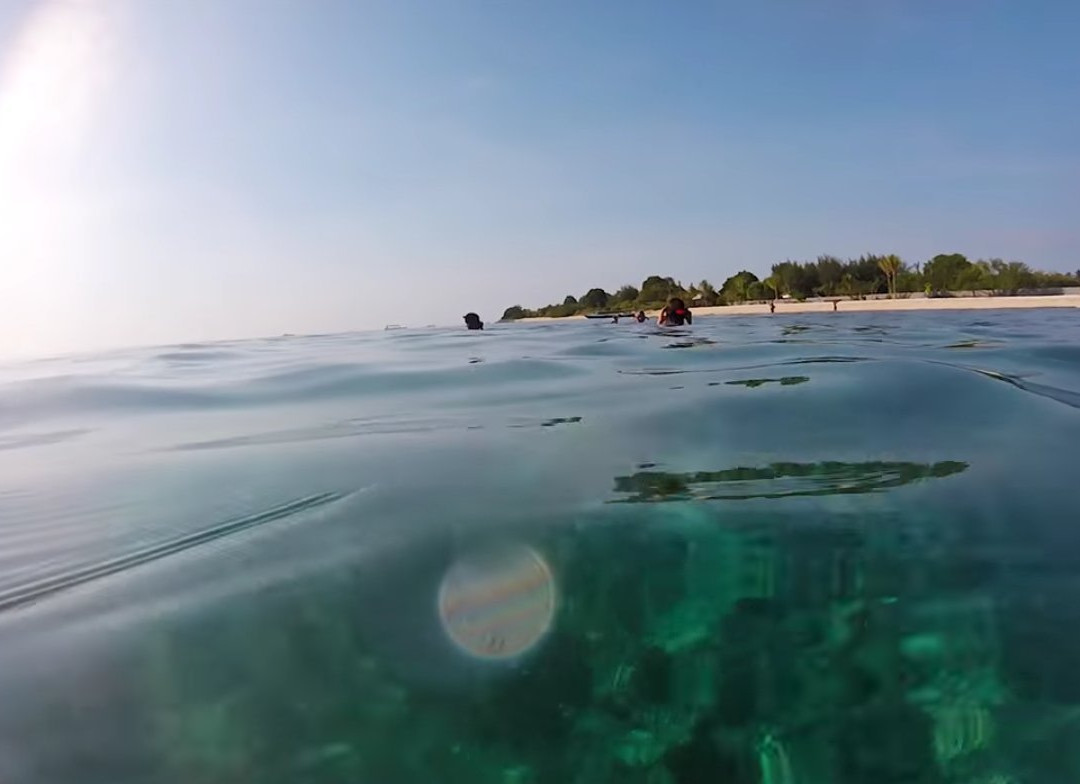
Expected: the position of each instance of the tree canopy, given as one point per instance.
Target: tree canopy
(594, 298)
(737, 287)
(827, 276)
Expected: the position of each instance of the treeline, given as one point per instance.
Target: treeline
(828, 276)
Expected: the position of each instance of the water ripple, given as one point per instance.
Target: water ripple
(33, 591)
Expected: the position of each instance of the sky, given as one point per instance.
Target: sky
(181, 172)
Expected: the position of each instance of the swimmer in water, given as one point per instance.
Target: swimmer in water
(472, 321)
(640, 317)
(675, 314)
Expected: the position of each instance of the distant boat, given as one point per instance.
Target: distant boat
(394, 326)
(608, 315)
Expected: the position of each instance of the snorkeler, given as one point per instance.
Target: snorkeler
(675, 314)
(472, 321)
(640, 317)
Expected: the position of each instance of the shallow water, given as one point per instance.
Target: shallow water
(789, 550)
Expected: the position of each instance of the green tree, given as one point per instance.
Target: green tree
(570, 300)
(943, 271)
(798, 280)
(786, 275)
(866, 277)
(1010, 277)
(515, 312)
(595, 299)
(736, 288)
(626, 295)
(1052, 280)
(709, 295)
(774, 283)
(910, 279)
(891, 265)
(830, 270)
(976, 277)
(655, 289)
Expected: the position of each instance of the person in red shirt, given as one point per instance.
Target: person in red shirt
(675, 314)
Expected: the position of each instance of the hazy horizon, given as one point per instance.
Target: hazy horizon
(228, 170)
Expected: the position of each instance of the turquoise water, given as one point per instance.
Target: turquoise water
(790, 550)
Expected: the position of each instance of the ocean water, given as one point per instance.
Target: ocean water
(818, 549)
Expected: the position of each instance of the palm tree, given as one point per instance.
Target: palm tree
(891, 266)
(774, 283)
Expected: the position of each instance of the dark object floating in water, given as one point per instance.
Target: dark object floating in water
(973, 344)
(393, 326)
(806, 361)
(786, 381)
(561, 421)
(608, 315)
(779, 480)
(550, 422)
(693, 342)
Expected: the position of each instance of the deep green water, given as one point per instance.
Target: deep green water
(792, 550)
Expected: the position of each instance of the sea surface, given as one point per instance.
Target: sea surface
(820, 549)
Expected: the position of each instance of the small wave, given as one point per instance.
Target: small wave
(1064, 396)
(350, 429)
(41, 439)
(825, 360)
(38, 589)
(66, 396)
(194, 356)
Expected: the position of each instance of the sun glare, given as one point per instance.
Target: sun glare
(52, 78)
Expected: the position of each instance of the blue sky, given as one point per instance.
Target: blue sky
(214, 169)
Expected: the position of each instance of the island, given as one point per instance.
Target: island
(870, 282)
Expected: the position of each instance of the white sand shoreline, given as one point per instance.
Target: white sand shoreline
(869, 305)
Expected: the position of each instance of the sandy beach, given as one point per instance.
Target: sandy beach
(855, 305)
